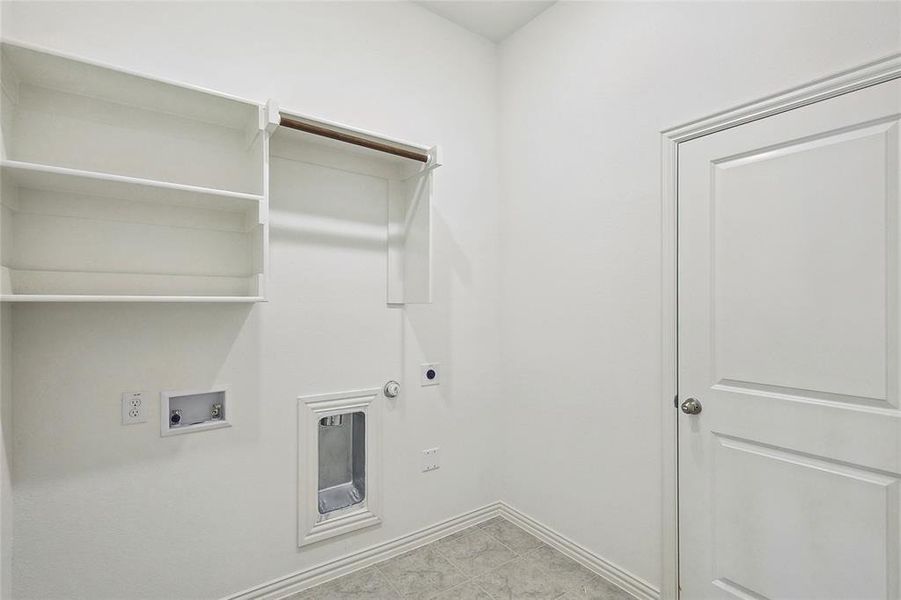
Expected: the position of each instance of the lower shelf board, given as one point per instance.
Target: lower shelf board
(20, 285)
(87, 298)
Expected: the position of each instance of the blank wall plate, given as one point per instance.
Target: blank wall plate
(430, 460)
(430, 373)
(134, 408)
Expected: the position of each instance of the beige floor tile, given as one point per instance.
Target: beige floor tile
(519, 580)
(421, 573)
(512, 536)
(598, 589)
(559, 567)
(476, 552)
(466, 591)
(368, 584)
(444, 570)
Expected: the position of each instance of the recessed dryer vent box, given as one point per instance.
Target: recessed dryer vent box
(184, 412)
(338, 463)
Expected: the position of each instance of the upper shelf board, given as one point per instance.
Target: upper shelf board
(46, 69)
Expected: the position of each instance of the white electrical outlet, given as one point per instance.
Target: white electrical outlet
(430, 459)
(134, 409)
(431, 373)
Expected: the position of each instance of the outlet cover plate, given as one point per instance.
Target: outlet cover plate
(430, 459)
(430, 374)
(134, 408)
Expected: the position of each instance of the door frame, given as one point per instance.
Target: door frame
(844, 82)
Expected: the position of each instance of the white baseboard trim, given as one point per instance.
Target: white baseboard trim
(301, 580)
(633, 584)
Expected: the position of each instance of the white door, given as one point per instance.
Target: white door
(789, 339)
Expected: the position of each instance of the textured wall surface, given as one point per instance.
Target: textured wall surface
(586, 89)
(546, 318)
(105, 511)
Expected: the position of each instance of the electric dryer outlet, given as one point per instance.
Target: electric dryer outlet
(431, 374)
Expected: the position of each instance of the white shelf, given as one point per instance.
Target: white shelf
(41, 68)
(23, 285)
(86, 298)
(118, 187)
(78, 115)
(91, 183)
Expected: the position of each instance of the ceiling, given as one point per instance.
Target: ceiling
(492, 19)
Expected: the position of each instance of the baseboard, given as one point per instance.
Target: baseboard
(301, 580)
(633, 584)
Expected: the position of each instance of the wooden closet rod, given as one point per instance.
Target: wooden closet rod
(353, 139)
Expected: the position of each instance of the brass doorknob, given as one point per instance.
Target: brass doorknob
(691, 407)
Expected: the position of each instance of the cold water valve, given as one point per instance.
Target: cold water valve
(186, 412)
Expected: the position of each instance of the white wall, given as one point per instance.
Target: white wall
(585, 90)
(6, 442)
(105, 511)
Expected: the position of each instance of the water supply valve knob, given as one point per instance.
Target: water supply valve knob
(392, 389)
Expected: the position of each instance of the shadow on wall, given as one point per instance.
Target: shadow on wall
(73, 362)
(6, 425)
(325, 207)
(431, 326)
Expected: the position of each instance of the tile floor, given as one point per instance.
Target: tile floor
(495, 560)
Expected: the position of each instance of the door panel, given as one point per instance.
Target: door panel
(771, 511)
(788, 336)
(782, 243)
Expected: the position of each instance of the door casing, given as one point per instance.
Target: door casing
(873, 73)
